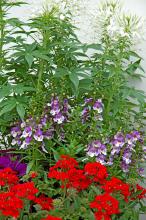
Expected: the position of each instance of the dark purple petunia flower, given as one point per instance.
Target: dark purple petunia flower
(14, 163)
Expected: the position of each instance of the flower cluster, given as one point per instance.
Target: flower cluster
(120, 144)
(10, 204)
(66, 170)
(8, 177)
(105, 206)
(35, 130)
(116, 185)
(92, 107)
(14, 195)
(97, 149)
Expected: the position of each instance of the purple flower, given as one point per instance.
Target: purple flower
(117, 143)
(43, 120)
(97, 149)
(66, 106)
(110, 161)
(55, 109)
(141, 172)
(88, 100)
(59, 118)
(127, 156)
(125, 167)
(101, 159)
(38, 136)
(98, 106)
(13, 163)
(136, 135)
(27, 132)
(85, 114)
(49, 134)
(15, 131)
(129, 138)
(26, 143)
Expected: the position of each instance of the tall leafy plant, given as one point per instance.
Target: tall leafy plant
(30, 70)
(115, 66)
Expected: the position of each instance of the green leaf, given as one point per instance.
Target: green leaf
(74, 79)
(10, 105)
(55, 154)
(29, 58)
(29, 166)
(5, 91)
(21, 110)
(20, 88)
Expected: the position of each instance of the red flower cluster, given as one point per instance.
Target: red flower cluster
(138, 193)
(45, 202)
(66, 170)
(12, 201)
(49, 217)
(10, 204)
(116, 185)
(8, 177)
(142, 192)
(105, 205)
(96, 171)
(25, 190)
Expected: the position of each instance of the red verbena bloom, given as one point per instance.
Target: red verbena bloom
(49, 217)
(77, 179)
(10, 204)
(105, 204)
(116, 185)
(58, 175)
(140, 193)
(8, 177)
(33, 174)
(60, 170)
(66, 162)
(46, 203)
(96, 171)
(25, 190)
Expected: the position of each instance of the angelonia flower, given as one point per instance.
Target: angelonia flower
(98, 150)
(37, 130)
(121, 145)
(92, 107)
(131, 141)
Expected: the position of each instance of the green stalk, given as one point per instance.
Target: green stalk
(42, 66)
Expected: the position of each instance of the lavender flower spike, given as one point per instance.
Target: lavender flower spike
(38, 136)
(55, 109)
(98, 106)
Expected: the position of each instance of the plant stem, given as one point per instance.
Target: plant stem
(42, 65)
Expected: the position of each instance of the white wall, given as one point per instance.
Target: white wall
(137, 7)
